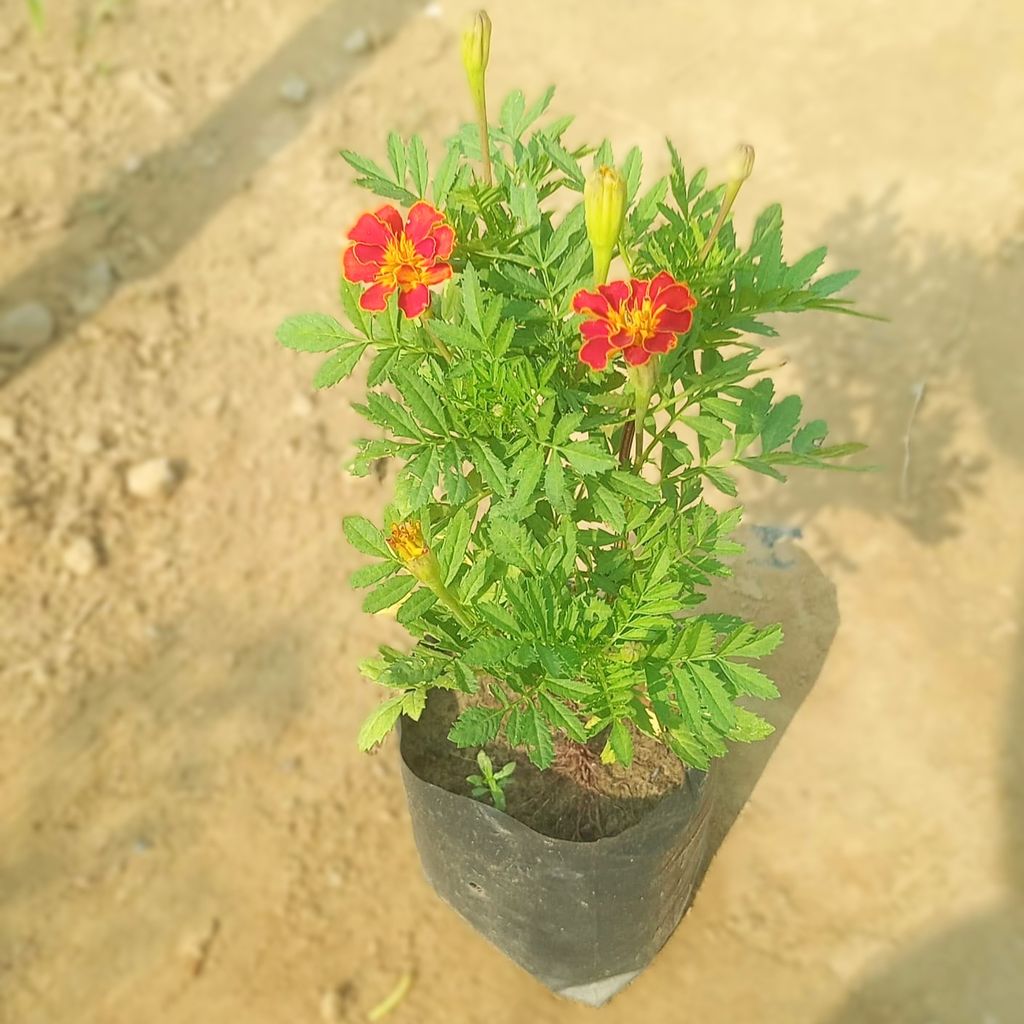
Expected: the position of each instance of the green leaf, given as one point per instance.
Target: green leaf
(396, 157)
(810, 436)
(413, 703)
(554, 485)
(364, 536)
(526, 472)
(511, 543)
(471, 298)
(537, 737)
(476, 726)
(490, 652)
(781, 422)
(721, 480)
(632, 167)
(364, 164)
(748, 642)
(339, 366)
(749, 727)
(707, 426)
(422, 402)
(721, 709)
(562, 718)
(491, 468)
(633, 486)
(418, 165)
(312, 332)
(805, 268)
(566, 427)
(455, 544)
(380, 722)
(512, 112)
(418, 603)
(564, 162)
(748, 679)
(446, 174)
(388, 593)
(587, 459)
(832, 283)
(621, 741)
(374, 573)
(609, 508)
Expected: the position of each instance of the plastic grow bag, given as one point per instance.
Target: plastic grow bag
(584, 918)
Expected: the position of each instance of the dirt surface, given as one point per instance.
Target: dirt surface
(189, 833)
(578, 798)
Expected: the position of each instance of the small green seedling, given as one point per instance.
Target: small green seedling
(491, 781)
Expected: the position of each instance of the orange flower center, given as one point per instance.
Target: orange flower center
(402, 266)
(640, 323)
(407, 541)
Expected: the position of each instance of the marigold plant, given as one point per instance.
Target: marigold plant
(549, 543)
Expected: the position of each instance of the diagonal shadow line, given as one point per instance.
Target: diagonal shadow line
(138, 221)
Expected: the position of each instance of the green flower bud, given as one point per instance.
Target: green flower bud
(604, 208)
(476, 50)
(741, 164)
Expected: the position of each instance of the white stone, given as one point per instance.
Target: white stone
(294, 89)
(358, 41)
(81, 556)
(151, 479)
(26, 326)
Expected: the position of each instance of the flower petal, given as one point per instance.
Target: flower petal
(662, 280)
(366, 253)
(376, 298)
(354, 269)
(444, 236)
(663, 341)
(621, 340)
(636, 355)
(389, 216)
(679, 323)
(426, 248)
(414, 301)
(676, 297)
(590, 302)
(370, 230)
(437, 273)
(637, 293)
(616, 292)
(594, 352)
(591, 329)
(422, 217)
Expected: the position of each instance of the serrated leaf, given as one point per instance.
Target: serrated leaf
(810, 436)
(748, 642)
(476, 726)
(609, 508)
(418, 164)
(370, 574)
(587, 459)
(536, 736)
(721, 480)
(472, 299)
(413, 703)
(781, 422)
(748, 679)
(422, 402)
(561, 717)
(554, 484)
(717, 701)
(633, 486)
(511, 543)
(707, 426)
(380, 722)
(339, 366)
(409, 611)
(312, 332)
(455, 544)
(490, 652)
(749, 727)
(490, 468)
(364, 536)
(832, 283)
(621, 741)
(446, 174)
(396, 157)
(526, 472)
(389, 593)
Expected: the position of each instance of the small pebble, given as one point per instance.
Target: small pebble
(358, 41)
(8, 430)
(95, 288)
(294, 89)
(27, 326)
(151, 479)
(302, 406)
(81, 556)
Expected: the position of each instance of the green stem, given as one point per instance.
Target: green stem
(485, 138)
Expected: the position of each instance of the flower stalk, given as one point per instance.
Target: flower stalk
(407, 543)
(476, 51)
(740, 167)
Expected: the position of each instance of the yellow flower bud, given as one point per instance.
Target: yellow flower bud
(604, 209)
(741, 164)
(476, 50)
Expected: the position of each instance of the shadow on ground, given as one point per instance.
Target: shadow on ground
(953, 341)
(138, 221)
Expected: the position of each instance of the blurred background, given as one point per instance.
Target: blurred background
(188, 832)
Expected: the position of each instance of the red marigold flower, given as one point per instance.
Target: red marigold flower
(637, 318)
(389, 254)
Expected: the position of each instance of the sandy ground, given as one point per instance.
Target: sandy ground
(188, 833)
